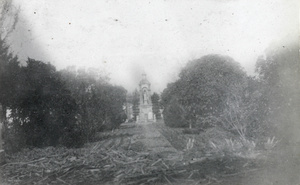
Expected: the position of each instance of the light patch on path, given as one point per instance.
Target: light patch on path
(155, 141)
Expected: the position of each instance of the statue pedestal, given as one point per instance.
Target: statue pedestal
(146, 114)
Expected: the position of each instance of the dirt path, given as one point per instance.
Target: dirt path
(155, 141)
(138, 137)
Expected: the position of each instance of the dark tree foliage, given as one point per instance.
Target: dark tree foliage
(203, 88)
(135, 104)
(279, 74)
(9, 90)
(9, 66)
(169, 93)
(46, 108)
(174, 114)
(155, 105)
(50, 108)
(9, 71)
(205, 83)
(100, 105)
(115, 97)
(42, 110)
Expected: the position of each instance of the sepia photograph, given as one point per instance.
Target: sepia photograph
(142, 92)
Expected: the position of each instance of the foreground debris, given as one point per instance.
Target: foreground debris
(119, 159)
(95, 165)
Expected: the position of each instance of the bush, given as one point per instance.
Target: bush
(222, 143)
(14, 138)
(174, 115)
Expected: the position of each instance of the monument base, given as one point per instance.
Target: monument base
(146, 114)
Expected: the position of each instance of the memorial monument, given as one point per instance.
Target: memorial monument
(145, 106)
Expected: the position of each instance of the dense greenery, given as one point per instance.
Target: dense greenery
(135, 104)
(215, 91)
(46, 107)
(100, 104)
(278, 76)
(155, 105)
(204, 87)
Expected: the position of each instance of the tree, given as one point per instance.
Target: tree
(155, 105)
(9, 89)
(41, 108)
(9, 65)
(136, 104)
(46, 109)
(241, 112)
(169, 93)
(100, 104)
(9, 77)
(117, 99)
(82, 86)
(279, 74)
(174, 114)
(203, 88)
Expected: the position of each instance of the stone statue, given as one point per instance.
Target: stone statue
(145, 98)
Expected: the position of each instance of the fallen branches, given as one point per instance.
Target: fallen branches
(112, 161)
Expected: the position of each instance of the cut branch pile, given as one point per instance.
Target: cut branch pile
(118, 160)
(96, 165)
(90, 165)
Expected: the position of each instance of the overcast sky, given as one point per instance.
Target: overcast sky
(126, 37)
